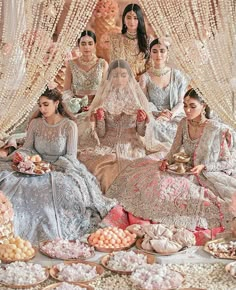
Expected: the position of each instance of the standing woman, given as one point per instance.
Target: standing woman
(85, 73)
(165, 88)
(132, 44)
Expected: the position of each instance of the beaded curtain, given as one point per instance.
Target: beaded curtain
(202, 33)
(29, 59)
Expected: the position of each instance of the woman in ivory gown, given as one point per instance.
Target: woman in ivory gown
(132, 43)
(196, 200)
(117, 118)
(84, 74)
(67, 202)
(165, 88)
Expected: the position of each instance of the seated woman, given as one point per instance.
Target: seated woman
(66, 202)
(197, 199)
(164, 88)
(118, 116)
(85, 73)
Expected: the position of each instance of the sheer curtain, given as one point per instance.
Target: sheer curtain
(203, 46)
(28, 57)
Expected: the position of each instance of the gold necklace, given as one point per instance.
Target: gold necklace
(159, 72)
(131, 35)
(197, 123)
(88, 63)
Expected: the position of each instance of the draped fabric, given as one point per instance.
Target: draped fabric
(28, 57)
(187, 201)
(202, 34)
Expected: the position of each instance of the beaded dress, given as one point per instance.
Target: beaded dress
(122, 47)
(118, 140)
(187, 201)
(65, 203)
(171, 98)
(86, 82)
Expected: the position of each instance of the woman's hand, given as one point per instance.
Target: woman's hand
(141, 115)
(85, 109)
(17, 158)
(197, 169)
(100, 114)
(164, 165)
(167, 114)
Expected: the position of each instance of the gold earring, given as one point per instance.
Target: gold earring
(203, 116)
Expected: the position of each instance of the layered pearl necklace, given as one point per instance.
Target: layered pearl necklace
(159, 72)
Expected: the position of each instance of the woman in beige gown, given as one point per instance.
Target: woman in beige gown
(117, 120)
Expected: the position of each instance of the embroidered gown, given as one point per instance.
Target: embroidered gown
(187, 201)
(86, 82)
(171, 98)
(119, 144)
(122, 47)
(65, 203)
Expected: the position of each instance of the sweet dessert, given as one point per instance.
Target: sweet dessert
(32, 165)
(152, 277)
(163, 240)
(231, 268)
(21, 273)
(65, 249)
(126, 261)
(222, 249)
(111, 238)
(6, 218)
(76, 272)
(16, 249)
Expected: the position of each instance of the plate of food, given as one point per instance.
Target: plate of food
(66, 249)
(22, 275)
(17, 249)
(125, 262)
(68, 286)
(231, 269)
(31, 165)
(224, 248)
(155, 276)
(76, 272)
(179, 168)
(174, 250)
(111, 239)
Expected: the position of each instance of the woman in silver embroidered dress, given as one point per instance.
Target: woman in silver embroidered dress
(85, 73)
(132, 43)
(164, 88)
(118, 118)
(66, 202)
(199, 199)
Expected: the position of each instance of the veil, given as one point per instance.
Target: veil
(115, 100)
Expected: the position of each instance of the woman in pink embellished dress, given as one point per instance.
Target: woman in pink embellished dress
(147, 190)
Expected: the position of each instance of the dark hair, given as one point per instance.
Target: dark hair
(157, 41)
(54, 95)
(196, 95)
(119, 63)
(87, 33)
(141, 30)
